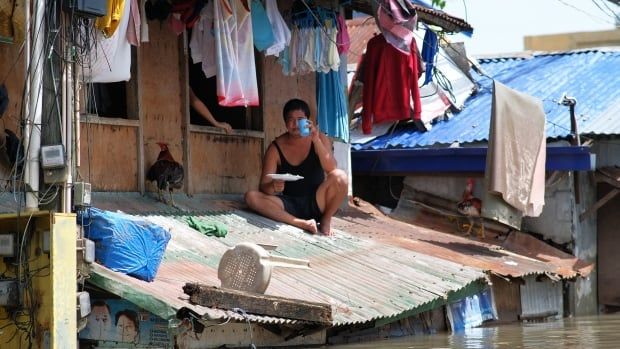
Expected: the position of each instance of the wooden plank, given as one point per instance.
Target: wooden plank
(611, 172)
(259, 304)
(219, 131)
(141, 167)
(185, 109)
(599, 204)
(94, 119)
(604, 177)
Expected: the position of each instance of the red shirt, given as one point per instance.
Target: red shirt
(390, 80)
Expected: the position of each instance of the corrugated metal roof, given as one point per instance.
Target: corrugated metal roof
(517, 255)
(362, 279)
(426, 14)
(590, 76)
(361, 29)
(375, 268)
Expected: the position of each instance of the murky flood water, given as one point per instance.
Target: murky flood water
(582, 332)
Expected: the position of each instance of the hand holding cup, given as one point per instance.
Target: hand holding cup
(304, 126)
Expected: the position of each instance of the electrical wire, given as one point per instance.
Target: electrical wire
(584, 12)
(612, 15)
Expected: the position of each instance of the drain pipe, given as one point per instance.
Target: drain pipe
(574, 130)
(67, 126)
(32, 128)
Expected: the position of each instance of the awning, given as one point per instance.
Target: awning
(404, 162)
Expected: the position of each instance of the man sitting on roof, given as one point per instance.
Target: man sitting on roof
(317, 196)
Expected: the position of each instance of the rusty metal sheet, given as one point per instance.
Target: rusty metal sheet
(515, 255)
(363, 279)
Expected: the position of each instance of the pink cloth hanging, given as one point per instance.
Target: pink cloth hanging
(343, 40)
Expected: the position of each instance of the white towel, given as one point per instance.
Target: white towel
(517, 150)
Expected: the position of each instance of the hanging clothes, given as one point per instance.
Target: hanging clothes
(343, 40)
(235, 54)
(332, 114)
(313, 43)
(281, 33)
(430, 46)
(202, 41)
(261, 27)
(517, 150)
(390, 84)
(110, 58)
(144, 24)
(397, 20)
(133, 28)
(110, 22)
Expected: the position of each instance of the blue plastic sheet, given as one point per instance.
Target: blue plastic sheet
(125, 243)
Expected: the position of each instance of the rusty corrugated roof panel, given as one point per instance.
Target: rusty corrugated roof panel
(363, 279)
(361, 30)
(375, 268)
(517, 256)
(425, 14)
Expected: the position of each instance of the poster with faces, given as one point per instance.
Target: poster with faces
(117, 320)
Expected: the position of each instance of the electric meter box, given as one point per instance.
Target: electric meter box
(81, 194)
(86, 8)
(52, 156)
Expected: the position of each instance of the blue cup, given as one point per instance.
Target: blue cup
(304, 127)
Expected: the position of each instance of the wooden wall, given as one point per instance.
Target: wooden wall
(214, 163)
(109, 156)
(608, 222)
(277, 90)
(224, 164)
(12, 67)
(162, 107)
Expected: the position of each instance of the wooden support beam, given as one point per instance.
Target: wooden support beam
(259, 304)
(599, 204)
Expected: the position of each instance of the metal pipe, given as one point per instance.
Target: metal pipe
(68, 123)
(32, 129)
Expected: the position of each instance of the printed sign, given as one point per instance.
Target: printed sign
(117, 320)
(472, 311)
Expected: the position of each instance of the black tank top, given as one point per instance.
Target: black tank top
(310, 169)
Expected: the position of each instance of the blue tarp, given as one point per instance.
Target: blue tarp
(125, 243)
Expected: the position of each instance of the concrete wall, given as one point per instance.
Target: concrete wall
(570, 41)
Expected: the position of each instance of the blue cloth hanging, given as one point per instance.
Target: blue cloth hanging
(430, 47)
(333, 117)
(261, 27)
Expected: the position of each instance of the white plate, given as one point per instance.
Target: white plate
(285, 177)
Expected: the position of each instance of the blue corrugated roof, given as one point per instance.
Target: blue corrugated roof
(592, 77)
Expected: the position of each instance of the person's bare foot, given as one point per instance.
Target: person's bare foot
(308, 225)
(326, 226)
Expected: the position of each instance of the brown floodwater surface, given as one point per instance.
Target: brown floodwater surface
(579, 332)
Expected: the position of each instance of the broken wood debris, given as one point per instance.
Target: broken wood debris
(259, 304)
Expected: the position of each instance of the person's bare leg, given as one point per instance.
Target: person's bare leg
(330, 195)
(271, 207)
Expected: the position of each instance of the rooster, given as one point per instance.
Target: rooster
(166, 172)
(471, 207)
